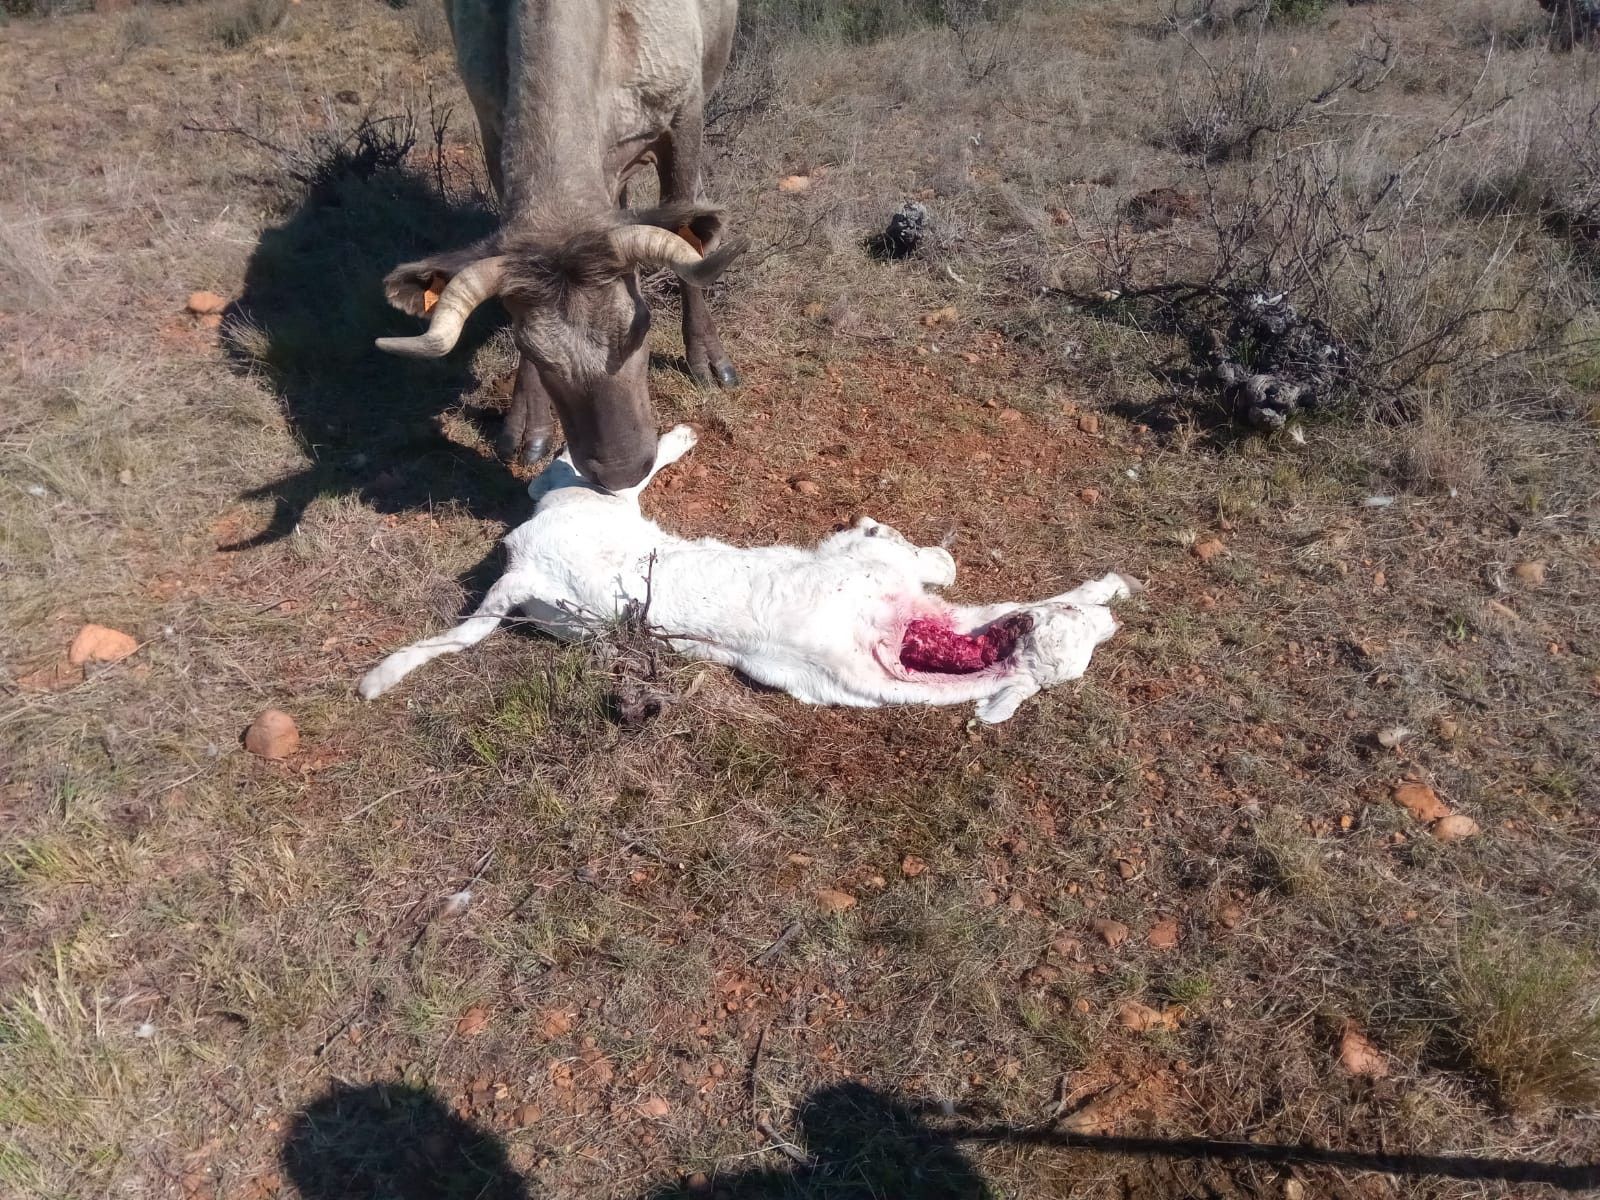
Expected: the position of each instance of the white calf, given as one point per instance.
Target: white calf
(849, 622)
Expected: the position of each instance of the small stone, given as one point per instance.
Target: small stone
(911, 866)
(1359, 1056)
(125, 477)
(97, 643)
(831, 900)
(1230, 916)
(555, 1022)
(1126, 869)
(1447, 728)
(1163, 934)
(473, 1022)
(1504, 611)
(1082, 1006)
(1208, 549)
(816, 310)
(203, 304)
(526, 1114)
(1529, 574)
(1141, 1017)
(794, 183)
(655, 1107)
(1112, 933)
(1391, 737)
(1455, 828)
(272, 735)
(1421, 801)
(211, 321)
(1089, 423)
(941, 316)
(1041, 976)
(1090, 495)
(806, 487)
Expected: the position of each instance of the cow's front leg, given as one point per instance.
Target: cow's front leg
(530, 421)
(678, 166)
(708, 361)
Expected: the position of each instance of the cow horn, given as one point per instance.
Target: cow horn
(651, 246)
(471, 287)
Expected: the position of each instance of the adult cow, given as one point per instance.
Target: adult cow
(572, 97)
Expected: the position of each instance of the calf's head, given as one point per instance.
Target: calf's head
(577, 315)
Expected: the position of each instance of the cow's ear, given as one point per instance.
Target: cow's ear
(415, 287)
(699, 225)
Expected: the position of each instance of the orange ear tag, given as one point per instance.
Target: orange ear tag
(435, 289)
(687, 235)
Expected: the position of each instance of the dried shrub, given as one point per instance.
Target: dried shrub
(1549, 167)
(1249, 94)
(237, 23)
(1345, 237)
(323, 159)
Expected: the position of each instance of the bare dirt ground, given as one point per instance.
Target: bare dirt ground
(1170, 932)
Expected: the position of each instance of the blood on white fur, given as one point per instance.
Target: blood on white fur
(849, 621)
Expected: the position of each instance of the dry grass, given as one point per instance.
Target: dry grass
(233, 978)
(1526, 1017)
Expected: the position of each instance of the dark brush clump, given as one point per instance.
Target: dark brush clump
(904, 233)
(1272, 362)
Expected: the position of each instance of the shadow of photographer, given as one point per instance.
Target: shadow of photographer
(397, 1142)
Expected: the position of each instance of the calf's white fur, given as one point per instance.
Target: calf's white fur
(824, 625)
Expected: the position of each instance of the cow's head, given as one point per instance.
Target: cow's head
(577, 315)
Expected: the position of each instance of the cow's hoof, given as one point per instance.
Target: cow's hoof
(513, 449)
(715, 375)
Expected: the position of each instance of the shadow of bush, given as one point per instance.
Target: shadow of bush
(311, 308)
